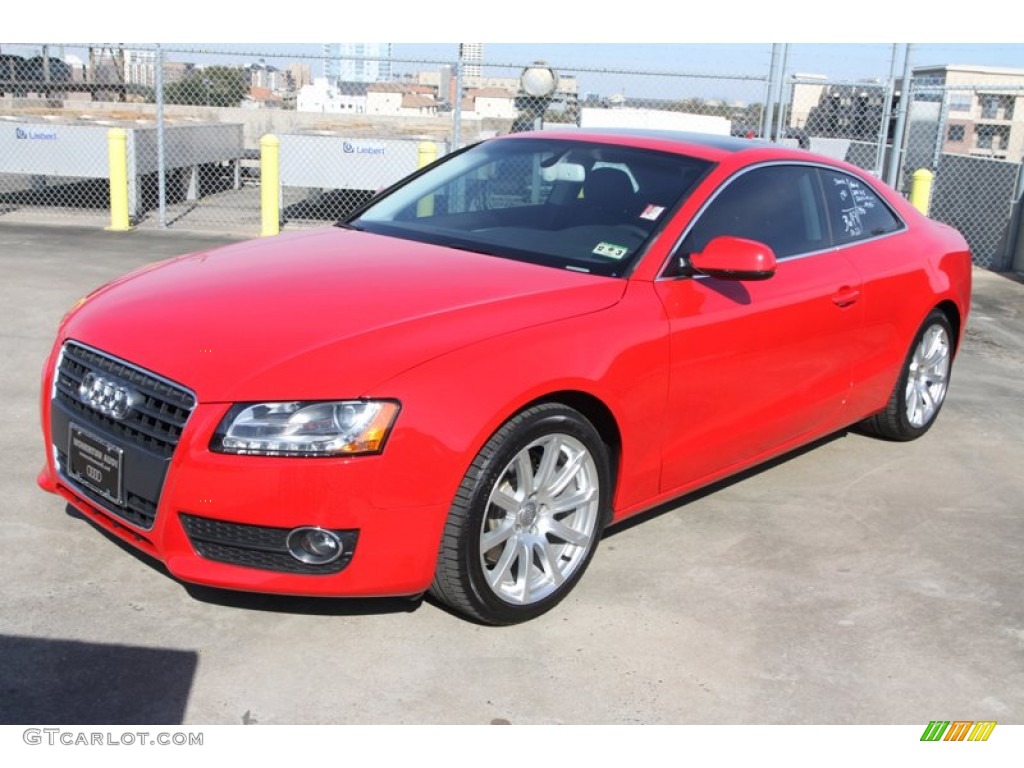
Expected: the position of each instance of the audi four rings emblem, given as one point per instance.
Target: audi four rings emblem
(109, 397)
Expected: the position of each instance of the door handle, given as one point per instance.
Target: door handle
(845, 296)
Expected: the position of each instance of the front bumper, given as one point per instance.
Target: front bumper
(222, 520)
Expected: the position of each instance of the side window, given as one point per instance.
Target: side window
(855, 210)
(778, 205)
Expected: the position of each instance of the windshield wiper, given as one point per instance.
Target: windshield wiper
(476, 249)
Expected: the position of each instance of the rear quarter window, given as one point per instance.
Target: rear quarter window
(855, 210)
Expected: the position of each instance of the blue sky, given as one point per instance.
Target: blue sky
(733, 38)
(836, 59)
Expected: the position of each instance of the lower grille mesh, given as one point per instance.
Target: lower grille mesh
(255, 546)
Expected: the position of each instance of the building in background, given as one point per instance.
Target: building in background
(471, 55)
(489, 102)
(357, 62)
(326, 97)
(267, 76)
(446, 85)
(986, 118)
(400, 99)
(301, 74)
(840, 110)
(804, 95)
(140, 68)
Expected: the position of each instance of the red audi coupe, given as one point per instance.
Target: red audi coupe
(456, 389)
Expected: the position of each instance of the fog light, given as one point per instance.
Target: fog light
(314, 546)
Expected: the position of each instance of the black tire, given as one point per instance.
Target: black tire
(510, 505)
(922, 385)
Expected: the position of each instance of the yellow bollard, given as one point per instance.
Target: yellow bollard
(921, 189)
(270, 185)
(425, 155)
(117, 159)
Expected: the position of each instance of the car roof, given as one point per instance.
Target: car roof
(679, 140)
(707, 146)
(729, 152)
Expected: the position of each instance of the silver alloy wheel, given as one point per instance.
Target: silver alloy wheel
(928, 376)
(540, 519)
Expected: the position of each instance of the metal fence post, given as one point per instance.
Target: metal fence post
(1015, 246)
(899, 139)
(767, 118)
(883, 128)
(940, 133)
(780, 117)
(457, 109)
(161, 165)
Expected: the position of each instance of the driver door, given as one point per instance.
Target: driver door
(758, 366)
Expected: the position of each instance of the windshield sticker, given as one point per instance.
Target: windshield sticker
(652, 212)
(611, 250)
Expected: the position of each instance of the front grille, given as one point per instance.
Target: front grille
(255, 546)
(155, 423)
(147, 435)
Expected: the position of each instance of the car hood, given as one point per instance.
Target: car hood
(318, 315)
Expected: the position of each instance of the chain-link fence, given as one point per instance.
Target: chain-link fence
(971, 136)
(192, 138)
(193, 135)
(848, 121)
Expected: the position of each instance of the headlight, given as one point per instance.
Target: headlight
(343, 428)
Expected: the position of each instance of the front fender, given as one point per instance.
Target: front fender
(451, 405)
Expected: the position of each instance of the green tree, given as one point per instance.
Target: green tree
(211, 86)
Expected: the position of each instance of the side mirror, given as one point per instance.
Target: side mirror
(734, 258)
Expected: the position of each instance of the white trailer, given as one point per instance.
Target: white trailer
(654, 119)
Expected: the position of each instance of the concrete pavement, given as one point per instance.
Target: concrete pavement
(858, 581)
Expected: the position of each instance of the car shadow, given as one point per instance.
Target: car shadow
(733, 290)
(305, 606)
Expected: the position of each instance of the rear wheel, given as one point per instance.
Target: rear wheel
(921, 388)
(526, 519)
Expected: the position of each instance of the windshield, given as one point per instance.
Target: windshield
(564, 203)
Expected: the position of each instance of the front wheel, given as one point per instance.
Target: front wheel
(526, 519)
(921, 388)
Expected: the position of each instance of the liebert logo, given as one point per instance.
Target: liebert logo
(21, 133)
(361, 149)
(958, 730)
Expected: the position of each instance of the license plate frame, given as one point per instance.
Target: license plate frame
(96, 463)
